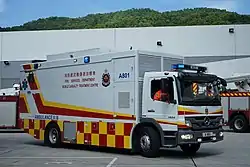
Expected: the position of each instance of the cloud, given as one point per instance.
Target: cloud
(2, 5)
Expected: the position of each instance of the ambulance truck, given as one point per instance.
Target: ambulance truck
(106, 100)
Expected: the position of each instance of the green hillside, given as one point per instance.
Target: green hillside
(136, 18)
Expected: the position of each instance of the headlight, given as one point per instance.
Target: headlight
(221, 121)
(188, 123)
(187, 136)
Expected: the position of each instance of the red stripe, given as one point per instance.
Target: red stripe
(31, 124)
(8, 98)
(87, 138)
(37, 134)
(119, 141)
(127, 128)
(22, 106)
(80, 127)
(221, 112)
(192, 113)
(187, 113)
(27, 67)
(181, 112)
(183, 126)
(95, 127)
(20, 124)
(33, 85)
(42, 124)
(111, 128)
(71, 112)
(102, 140)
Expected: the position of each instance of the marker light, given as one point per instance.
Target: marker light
(178, 66)
(86, 59)
(189, 67)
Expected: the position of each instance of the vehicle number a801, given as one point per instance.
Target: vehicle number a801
(124, 75)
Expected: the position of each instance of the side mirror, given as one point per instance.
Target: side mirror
(223, 82)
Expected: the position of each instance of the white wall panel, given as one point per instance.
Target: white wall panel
(229, 67)
(186, 41)
(242, 37)
(36, 45)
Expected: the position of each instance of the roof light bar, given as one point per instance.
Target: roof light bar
(189, 67)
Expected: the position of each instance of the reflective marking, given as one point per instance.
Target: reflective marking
(112, 162)
(47, 163)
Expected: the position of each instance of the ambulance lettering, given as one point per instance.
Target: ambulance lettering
(48, 117)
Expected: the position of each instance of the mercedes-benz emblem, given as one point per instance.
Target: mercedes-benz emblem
(207, 121)
(206, 111)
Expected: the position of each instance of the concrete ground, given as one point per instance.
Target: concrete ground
(21, 150)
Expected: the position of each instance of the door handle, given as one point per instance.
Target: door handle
(151, 110)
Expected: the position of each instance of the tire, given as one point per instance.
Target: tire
(190, 149)
(240, 124)
(148, 142)
(52, 136)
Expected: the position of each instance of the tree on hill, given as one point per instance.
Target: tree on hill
(136, 18)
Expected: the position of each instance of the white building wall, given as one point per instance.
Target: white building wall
(242, 40)
(185, 41)
(228, 68)
(38, 44)
(188, 41)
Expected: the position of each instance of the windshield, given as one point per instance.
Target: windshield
(198, 93)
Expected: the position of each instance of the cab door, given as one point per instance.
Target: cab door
(162, 110)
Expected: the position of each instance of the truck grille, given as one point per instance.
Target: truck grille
(204, 122)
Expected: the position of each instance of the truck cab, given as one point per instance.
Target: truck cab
(189, 111)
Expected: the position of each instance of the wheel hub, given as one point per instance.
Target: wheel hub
(53, 135)
(238, 124)
(145, 142)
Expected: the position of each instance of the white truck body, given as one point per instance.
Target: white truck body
(236, 103)
(8, 111)
(8, 107)
(113, 90)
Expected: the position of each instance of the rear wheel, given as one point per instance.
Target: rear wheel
(190, 149)
(240, 124)
(148, 142)
(52, 136)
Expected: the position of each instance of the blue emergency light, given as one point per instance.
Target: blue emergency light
(188, 67)
(86, 59)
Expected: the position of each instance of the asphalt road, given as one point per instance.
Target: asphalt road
(21, 150)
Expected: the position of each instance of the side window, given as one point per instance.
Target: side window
(156, 85)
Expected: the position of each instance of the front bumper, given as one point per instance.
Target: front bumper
(204, 136)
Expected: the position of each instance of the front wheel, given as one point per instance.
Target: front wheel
(149, 142)
(52, 136)
(190, 149)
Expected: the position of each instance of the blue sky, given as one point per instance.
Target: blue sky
(17, 12)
